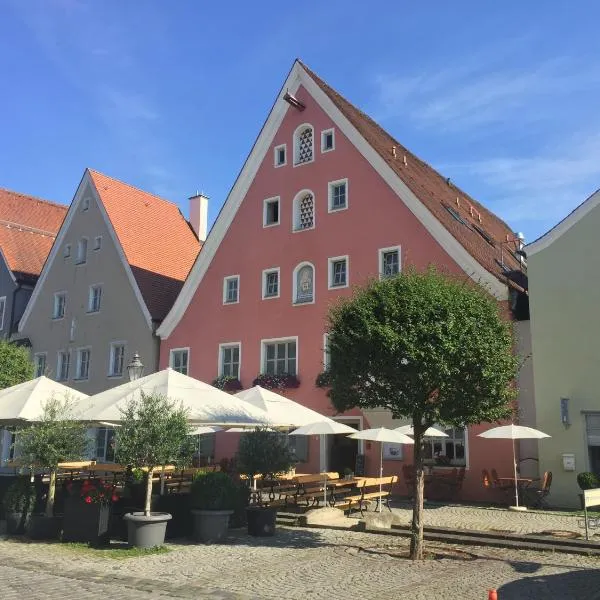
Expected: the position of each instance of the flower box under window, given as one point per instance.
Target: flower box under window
(273, 381)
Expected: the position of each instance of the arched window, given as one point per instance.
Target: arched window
(304, 284)
(303, 144)
(304, 210)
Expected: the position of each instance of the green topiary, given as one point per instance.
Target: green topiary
(587, 481)
(19, 497)
(263, 452)
(214, 491)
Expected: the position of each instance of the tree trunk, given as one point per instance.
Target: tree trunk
(148, 492)
(51, 494)
(416, 540)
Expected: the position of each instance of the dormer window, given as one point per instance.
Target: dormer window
(303, 145)
(327, 140)
(280, 156)
(304, 211)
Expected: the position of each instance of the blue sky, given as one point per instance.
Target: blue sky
(169, 96)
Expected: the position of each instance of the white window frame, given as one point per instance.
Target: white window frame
(97, 243)
(85, 204)
(263, 353)
(326, 352)
(276, 155)
(56, 296)
(67, 251)
(381, 252)
(111, 359)
(267, 201)
(323, 134)
(330, 273)
(59, 364)
(222, 347)
(433, 440)
(296, 145)
(264, 283)
(295, 209)
(78, 259)
(225, 280)
(330, 186)
(78, 355)
(36, 356)
(93, 287)
(182, 349)
(295, 284)
(2, 314)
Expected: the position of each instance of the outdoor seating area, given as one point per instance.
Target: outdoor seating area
(531, 492)
(440, 483)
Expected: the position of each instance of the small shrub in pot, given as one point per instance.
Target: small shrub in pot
(17, 504)
(587, 481)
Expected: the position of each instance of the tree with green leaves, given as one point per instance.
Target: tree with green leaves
(15, 364)
(154, 432)
(57, 437)
(427, 347)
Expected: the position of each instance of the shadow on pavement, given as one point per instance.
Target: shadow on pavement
(575, 585)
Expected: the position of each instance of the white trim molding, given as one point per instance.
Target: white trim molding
(78, 362)
(264, 283)
(289, 338)
(295, 283)
(383, 251)
(276, 150)
(295, 144)
(92, 287)
(182, 349)
(226, 280)
(324, 133)
(220, 357)
(111, 357)
(55, 296)
(330, 186)
(266, 202)
(330, 273)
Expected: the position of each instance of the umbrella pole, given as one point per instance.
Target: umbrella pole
(380, 474)
(321, 442)
(515, 474)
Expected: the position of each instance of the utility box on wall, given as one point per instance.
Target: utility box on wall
(568, 462)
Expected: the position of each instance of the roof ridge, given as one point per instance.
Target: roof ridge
(65, 207)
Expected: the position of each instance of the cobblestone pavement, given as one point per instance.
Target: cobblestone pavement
(296, 564)
(490, 519)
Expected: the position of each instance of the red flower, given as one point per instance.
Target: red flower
(88, 499)
(115, 498)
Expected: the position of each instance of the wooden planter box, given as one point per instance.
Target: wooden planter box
(86, 522)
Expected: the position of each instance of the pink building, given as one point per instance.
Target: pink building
(326, 200)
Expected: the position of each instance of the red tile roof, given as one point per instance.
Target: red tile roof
(28, 227)
(472, 221)
(158, 242)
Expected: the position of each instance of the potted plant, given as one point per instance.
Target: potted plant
(323, 379)
(266, 453)
(227, 383)
(271, 381)
(17, 504)
(154, 432)
(55, 438)
(587, 481)
(348, 473)
(214, 498)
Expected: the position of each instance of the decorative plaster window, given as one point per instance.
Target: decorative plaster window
(83, 363)
(229, 360)
(82, 247)
(280, 156)
(179, 360)
(303, 145)
(338, 195)
(2, 311)
(271, 283)
(451, 449)
(389, 261)
(304, 280)
(304, 211)
(60, 301)
(280, 357)
(231, 289)
(116, 359)
(62, 368)
(98, 242)
(39, 361)
(85, 204)
(327, 140)
(338, 272)
(67, 251)
(271, 212)
(95, 298)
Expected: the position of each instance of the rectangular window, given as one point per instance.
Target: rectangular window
(280, 357)
(179, 360)
(2, 311)
(338, 272)
(94, 299)
(327, 140)
(67, 251)
(230, 360)
(450, 450)
(83, 363)
(338, 195)
(98, 242)
(271, 283)
(105, 444)
(39, 361)
(231, 289)
(62, 367)
(271, 212)
(280, 155)
(82, 251)
(60, 301)
(116, 359)
(389, 259)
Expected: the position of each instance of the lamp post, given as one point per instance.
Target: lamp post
(135, 368)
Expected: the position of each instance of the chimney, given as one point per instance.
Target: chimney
(199, 215)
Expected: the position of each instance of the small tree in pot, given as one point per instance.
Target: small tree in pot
(154, 432)
(17, 504)
(55, 438)
(263, 452)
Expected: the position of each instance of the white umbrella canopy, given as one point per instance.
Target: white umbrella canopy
(514, 432)
(429, 432)
(205, 403)
(282, 411)
(25, 401)
(247, 429)
(329, 427)
(204, 429)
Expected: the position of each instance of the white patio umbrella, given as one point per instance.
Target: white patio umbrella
(282, 411)
(323, 428)
(206, 404)
(204, 430)
(381, 435)
(246, 429)
(514, 432)
(429, 432)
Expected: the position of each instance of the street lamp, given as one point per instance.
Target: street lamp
(135, 368)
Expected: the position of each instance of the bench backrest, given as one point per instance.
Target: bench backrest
(375, 481)
(591, 498)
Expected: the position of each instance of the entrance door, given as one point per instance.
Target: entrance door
(342, 450)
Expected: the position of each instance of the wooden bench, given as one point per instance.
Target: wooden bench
(308, 488)
(371, 488)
